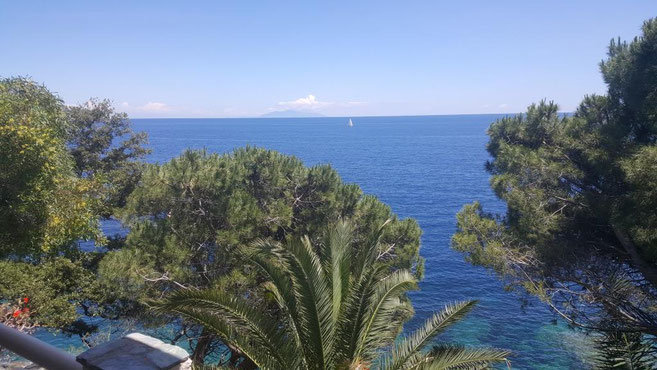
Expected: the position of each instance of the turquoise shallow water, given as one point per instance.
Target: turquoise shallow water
(423, 167)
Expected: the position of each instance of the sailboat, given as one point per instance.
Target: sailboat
(351, 124)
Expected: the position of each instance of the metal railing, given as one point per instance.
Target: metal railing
(39, 352)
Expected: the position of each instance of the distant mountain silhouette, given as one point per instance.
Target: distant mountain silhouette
(290, 114)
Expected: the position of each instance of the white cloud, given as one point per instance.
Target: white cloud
(310, 102)
(502, 106)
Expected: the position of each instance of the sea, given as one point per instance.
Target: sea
(426, 168)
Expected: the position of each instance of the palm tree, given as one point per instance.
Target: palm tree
(339, 309)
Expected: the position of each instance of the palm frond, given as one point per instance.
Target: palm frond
(234, 319)
(338, 308)
(269, 259)
(258, 355)
(378, 329)
(354, 314)
(338, 264)
(455, 357)
(313, 297)
(410, 346)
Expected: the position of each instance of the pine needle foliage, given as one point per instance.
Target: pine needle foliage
(580, 227)
(624, 351)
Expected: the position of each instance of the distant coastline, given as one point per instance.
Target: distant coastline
(308, 115)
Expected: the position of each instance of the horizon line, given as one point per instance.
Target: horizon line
(356, 116)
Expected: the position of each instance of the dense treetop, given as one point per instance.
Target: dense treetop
(102, 143)
(44, 207)
(189, 216)
(192, 212)
(62, 169)
(580, 230)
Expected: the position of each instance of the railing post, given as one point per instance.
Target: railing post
(39, 352)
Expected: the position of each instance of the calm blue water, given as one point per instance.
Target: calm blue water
(423, 167)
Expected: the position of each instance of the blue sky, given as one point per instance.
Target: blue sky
(344, 58)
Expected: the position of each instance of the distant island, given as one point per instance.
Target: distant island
(290, 114)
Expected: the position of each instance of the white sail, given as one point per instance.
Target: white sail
(351, 124)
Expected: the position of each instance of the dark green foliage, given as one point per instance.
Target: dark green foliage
(640, 205)
(54, 288)
(103, 144)
(580, 229)
(625, 351)
(338, 310)
(44, 207)
(25, 101)
(62, 292)
(189, 216)
(61, 168)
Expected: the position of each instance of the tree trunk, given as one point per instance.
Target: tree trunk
(647, 269)
(202, 347)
